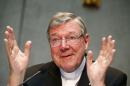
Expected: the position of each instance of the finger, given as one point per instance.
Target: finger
(110, 46)
(103, 47)
(6, 34)
(27, 48)
(15, 52)
(9, 34)
(113, 44)
(8, 52)
(7, 44)
(112, 55)
(109, 43)
(13, 35)
(12, 38)
(89, 58)
(7, 47)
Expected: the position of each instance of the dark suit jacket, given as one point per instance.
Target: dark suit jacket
(50, 76)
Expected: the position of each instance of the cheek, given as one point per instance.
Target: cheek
(80, 51)
(54, 52)
(55, 56)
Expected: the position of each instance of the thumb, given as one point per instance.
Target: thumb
(27, 48)
(89, 58)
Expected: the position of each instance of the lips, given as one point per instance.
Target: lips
(66, 55)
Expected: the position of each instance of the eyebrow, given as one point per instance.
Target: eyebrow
(55, 34)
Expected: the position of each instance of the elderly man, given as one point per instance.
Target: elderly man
(72, 63)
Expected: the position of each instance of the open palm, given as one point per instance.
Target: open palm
(96, 70)
(17, 59)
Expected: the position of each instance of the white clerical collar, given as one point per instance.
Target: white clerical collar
(75, 74)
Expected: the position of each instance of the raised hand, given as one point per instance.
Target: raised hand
(17, 59)
(96, 70)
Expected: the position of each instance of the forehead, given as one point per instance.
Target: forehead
(66, 28)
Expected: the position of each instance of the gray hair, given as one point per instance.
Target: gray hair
(64, 17)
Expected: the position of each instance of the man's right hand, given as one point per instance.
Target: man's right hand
(17, 59)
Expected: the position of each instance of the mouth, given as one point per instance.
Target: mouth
(67, 55)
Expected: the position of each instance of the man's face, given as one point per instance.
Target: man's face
(68, 45)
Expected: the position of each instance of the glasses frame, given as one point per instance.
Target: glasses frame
(69, 40)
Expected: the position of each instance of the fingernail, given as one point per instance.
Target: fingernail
(5, 40)
(30, 43)
(103, 38)
(114, 50)
(8, 26)
(109, 36)
(89, 51)
(6, 32)
(113, 41)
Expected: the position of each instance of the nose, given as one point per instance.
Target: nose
(64, 45)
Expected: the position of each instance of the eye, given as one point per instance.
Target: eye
(54, 39)
(72, 37)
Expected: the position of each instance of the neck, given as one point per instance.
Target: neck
(74, 74)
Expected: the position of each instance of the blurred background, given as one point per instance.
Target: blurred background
(30, 21)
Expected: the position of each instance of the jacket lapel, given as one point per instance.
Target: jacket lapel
(54, 76)
(84, 81)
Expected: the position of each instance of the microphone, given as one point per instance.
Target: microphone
(29, 78)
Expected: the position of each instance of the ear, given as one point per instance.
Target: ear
(87, 40)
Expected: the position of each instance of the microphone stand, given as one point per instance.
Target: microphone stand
(29, 78)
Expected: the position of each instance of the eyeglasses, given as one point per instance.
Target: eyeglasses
(71, 39)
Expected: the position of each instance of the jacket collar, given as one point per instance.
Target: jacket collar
(55, 74)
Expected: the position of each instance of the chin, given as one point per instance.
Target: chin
(69, 67)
